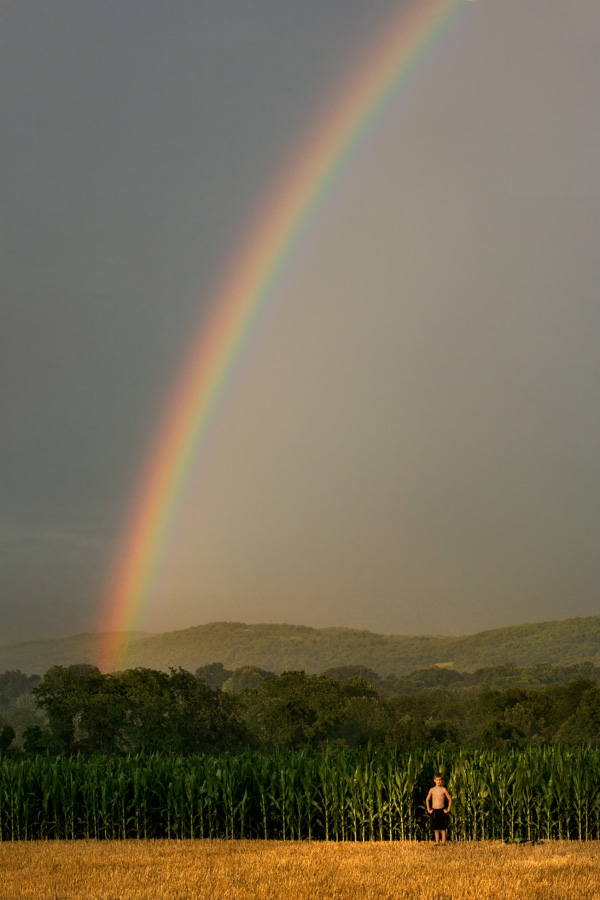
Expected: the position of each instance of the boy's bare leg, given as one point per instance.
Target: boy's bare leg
(437, 836)
(443, 837)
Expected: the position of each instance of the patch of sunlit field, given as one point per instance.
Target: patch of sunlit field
(277, 870)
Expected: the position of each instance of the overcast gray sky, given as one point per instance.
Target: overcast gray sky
(411, 439)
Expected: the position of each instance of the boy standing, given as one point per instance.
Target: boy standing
(439, 803)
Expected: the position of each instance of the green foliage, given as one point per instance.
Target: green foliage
(147, 710)
(14, 684)
(136, 711)
(38, 741)
(583, 727)
(502, 735)
(279, 648)
(298, 710)
(7, 736)
(245, 678)
(81, 707)
(175, 713)
(145, 753)
(364, 720)
(343, 673)
(214, 675)
(495, 678)
(358, 795)
(17, 704)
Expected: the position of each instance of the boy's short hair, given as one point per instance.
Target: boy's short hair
(438, 775)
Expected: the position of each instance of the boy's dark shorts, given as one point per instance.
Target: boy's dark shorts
(439, 820)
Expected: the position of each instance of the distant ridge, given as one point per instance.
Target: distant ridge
(35, 657)
(281, 647)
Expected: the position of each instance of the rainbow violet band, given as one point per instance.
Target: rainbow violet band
(245, 288)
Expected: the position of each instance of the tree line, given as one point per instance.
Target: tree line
(79, 710)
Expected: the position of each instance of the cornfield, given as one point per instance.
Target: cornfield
(366, 795)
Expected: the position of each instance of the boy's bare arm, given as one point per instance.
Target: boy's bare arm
(427, 803)
(449, 800)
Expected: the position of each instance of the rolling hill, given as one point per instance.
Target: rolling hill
(281, 647)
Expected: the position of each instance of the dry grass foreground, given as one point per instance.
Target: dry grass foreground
(253, 870)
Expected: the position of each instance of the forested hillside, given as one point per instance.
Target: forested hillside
(281, 647)
(278, 648)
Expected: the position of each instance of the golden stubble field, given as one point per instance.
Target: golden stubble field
(253, 870)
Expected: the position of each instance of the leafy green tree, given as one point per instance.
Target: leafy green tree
(501, 735)
(485, 708)
(136, 711)
(563, 701)
(18, 707)
(68, 696)
(530, 718)
(39, 741)
(409, 732)
(147, 724)
(7, 736)
(246, 678)
(583, 727)
(214, 675)
(14, 684)
(364, 720)
(291, 711)
(295, 710)
(343, 673)
(443, 734)
(423, 680)
(176, 713)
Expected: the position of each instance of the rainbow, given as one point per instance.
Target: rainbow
(249, 281)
